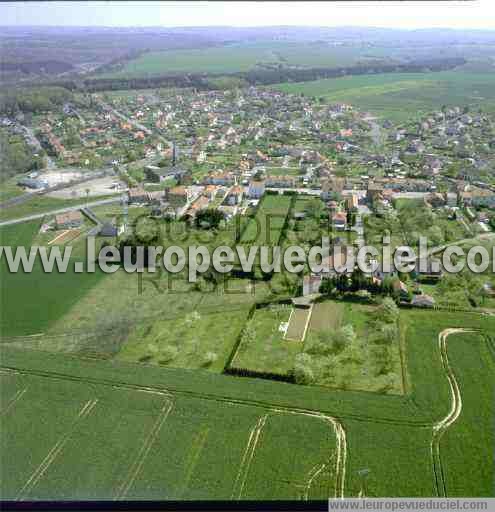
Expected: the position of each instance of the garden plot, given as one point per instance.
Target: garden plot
(353, 347)
(298, 324)
(263, 347)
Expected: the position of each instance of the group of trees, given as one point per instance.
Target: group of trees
(331, 357)
(341, 283)
(209, 218)
(318, 359)
(16, 157)
(464, 289)
(32, 100)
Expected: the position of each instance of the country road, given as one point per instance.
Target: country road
(60, 210)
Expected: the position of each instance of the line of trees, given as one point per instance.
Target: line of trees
(203, 81)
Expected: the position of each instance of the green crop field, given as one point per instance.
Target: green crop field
(132, 443)
(19, 234)
(106, 429)
(399, 96)
(38, 205)
(243, 57)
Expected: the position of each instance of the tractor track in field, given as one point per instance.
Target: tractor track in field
(247, 458)
(169, 395)
(56, 449)
(341, 449)
(312, 476)
(441, 426)
(17, 396)
(144, 451)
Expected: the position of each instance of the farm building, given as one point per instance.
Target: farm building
(234, 196)
(137, 195)
(72, 219)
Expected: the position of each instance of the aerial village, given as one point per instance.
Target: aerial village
(175, 154)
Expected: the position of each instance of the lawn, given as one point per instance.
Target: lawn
(263, 347)
(9, 189)
(283, 171)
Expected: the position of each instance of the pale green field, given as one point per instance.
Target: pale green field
(400, 95)
(243, 57)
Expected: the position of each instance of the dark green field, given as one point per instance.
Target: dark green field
(31, 302)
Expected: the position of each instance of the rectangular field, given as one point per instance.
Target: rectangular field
(266, 227)
(263, 347)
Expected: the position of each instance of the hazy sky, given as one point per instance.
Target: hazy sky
(455, 14)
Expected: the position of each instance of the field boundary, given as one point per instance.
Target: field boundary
(171, 391)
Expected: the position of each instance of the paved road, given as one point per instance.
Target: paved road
(60, 210)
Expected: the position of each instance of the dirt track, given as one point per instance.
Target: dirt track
(441, 426)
